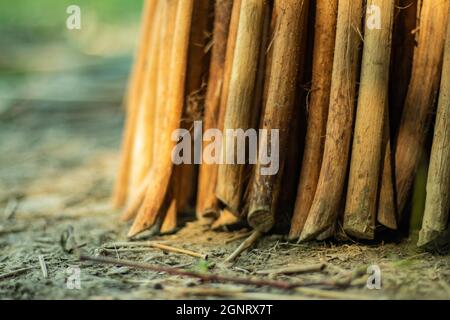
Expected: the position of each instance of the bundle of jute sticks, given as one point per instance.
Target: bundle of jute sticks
(354, 88)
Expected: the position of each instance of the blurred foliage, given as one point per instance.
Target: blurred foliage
(51, 14)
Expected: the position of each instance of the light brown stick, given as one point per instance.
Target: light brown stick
(143, 141)
(206, 198)
(330, 187)
(437, 204)
(325, 36)
(120, 192)
(162, 171)
(285, 60)
(421, 96)
(365, 164)
(239, 106)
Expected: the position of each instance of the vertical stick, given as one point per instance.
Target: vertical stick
(387, 213)
(285, 60)
(421, 96)
(162, 170)
(239, 107)
(142, 153)
(206, 198)
(185, 174)
(325, 36)
(361, 205)
(437, 204)
(120, 192)
(330, 187)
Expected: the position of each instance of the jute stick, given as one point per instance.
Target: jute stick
(185, 174)
(167, 11)
(239, 106)
(285, 60)
(325, 35)
(387, 212)
(437, 204)
(162, 170)
(361, 205)
(331, 183)
(120, 193)
(142, 153)
(421, 96)
(206, 198)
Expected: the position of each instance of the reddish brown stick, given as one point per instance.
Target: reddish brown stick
(325, 35)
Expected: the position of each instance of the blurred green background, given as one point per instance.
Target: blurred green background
(41, 59)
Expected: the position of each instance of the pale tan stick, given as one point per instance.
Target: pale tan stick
(120, 193)
(361, 206)
(284, 74)
(249, 242)
(437, 204)
(162, 170)
(161, 246)
(167, 12)
(206, 198)
(144, 135)
(422, 92)
(330, 187)
(325, 37)
(295, 269)
(239, 107)
(179, 250)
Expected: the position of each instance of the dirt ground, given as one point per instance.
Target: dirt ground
(57, 166)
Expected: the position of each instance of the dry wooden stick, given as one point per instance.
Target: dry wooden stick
(43, 266)
(282, 285)
(120, 193)
(206, 198)
(161, 246)
(437, 204)
(295, 269)
(387, 212)
(184, 182)
(179, 250)
(421, 96)
(249, 242)
(367, 156)
(330, 187)
(162, 170)
(285, 60)
(238, 112)
(167, 12)
(325, 36)
(144, 135)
